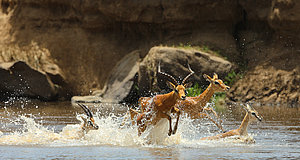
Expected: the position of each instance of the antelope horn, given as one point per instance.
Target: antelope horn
(189, 75)
(86, 110)
(249, 107)
(215, 77)
(165, 74)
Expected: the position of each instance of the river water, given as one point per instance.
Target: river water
(45, 130)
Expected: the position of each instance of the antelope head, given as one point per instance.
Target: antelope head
(217, 84)
(178, 88)
(253, 114)
(89, 122)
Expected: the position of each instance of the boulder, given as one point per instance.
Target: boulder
(29, 65)
(130, 79)
(119, 85)
(121, 79)
(174, 62)
(19, 79)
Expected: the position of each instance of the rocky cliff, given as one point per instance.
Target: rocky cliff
(87, 39)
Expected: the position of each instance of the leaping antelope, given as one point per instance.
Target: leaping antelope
(161, 105)
(251, 115)
(195, 106)
(88, 123)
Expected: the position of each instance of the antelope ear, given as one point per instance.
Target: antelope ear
(171, 85)
(215, 76)
(188, 85)
(207, 77)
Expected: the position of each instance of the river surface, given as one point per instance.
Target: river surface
(45, 130)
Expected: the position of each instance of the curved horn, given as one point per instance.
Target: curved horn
(189, 75)
(165, 74)
(86, 110)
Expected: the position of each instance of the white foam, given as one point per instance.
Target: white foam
(110, 133)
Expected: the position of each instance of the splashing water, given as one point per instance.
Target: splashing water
(49, 130)
(109, 133)
(30, 132)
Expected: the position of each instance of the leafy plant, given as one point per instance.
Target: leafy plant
(218, 100)
(195, 90)
(205, 49)
(185, 46)
(232, 77)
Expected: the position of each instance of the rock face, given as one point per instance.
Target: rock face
(268, 84)
(87, 39)
(273, 86)
(269, 41)
(174, 62)
(84, 38)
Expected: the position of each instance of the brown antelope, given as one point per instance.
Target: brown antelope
(251, 115)
(158, 107)
(88, 123)
(195, 106)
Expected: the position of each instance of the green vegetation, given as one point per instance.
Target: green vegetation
(219, 98)
(196, 90)
(232, 77)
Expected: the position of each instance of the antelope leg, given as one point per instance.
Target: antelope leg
(207, 116)
(165, 115)
(133, 113)
(214, 112)
(141, 122)
(177, 119)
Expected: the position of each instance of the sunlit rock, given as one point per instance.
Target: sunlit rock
(174, 61)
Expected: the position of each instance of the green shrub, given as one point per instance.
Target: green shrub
(232, 77)
(194, 91)
(218, 99)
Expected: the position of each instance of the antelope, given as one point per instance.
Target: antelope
(251, 115)
(195, 106)
(88, 123)
(161, 105)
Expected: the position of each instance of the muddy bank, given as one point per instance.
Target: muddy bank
(88, 39)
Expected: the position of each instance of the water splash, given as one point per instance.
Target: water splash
(110, 133)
